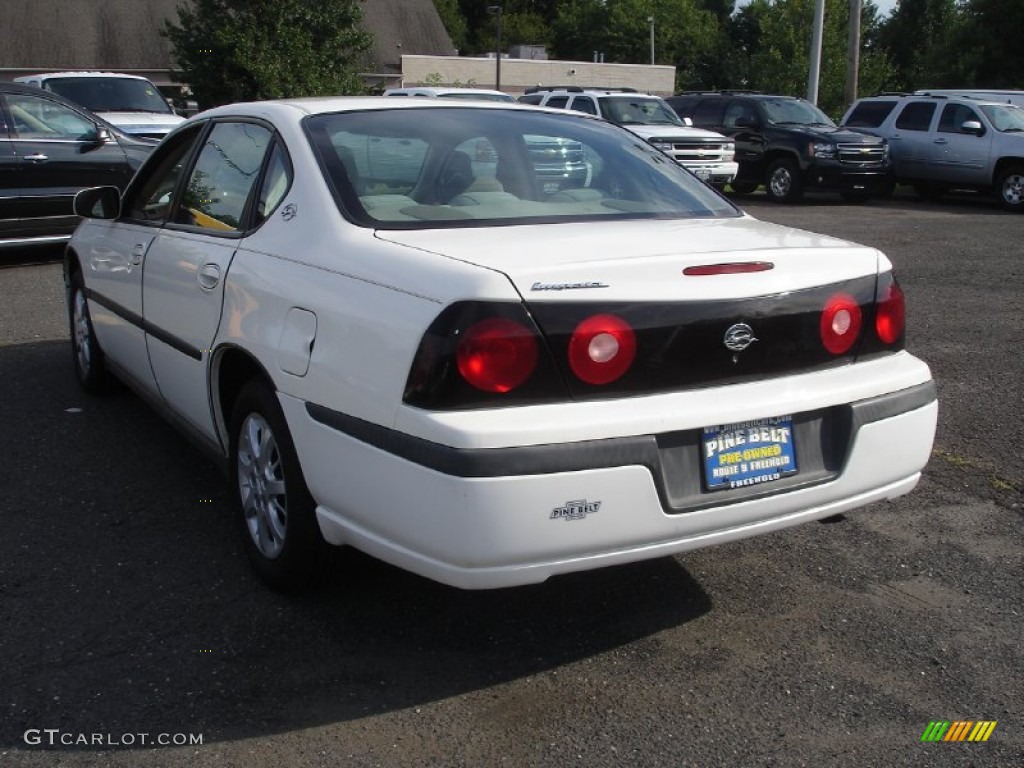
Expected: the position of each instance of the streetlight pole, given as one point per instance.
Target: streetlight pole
(650, 20)
(496, 9)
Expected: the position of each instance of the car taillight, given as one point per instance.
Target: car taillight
(497, 354)
(890, 313)
(840, 323)
(601, 349)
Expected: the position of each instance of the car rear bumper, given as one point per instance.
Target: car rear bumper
(485, 518)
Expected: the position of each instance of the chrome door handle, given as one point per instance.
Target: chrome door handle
(38, 157)
(138, 251)
(941, 141)
(208, 276)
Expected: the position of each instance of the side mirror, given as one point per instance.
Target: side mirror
(98, 203)
(973, 127)
(98, 135)
(687, 121)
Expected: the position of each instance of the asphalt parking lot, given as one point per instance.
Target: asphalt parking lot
(127, 607)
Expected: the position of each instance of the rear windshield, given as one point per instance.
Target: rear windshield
(462, 167)
(110, 94)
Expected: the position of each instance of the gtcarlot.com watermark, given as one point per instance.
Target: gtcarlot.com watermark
(55, 737)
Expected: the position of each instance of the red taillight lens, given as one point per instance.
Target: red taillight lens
(601, 349)
(890, 315)
(840, 323)
(497, 354)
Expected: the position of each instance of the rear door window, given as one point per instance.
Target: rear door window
(916, 116)
(224, 176)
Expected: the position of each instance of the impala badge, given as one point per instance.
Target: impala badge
(739, 337)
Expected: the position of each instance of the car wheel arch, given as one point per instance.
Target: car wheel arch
(231, 369)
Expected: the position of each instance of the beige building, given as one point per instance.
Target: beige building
(519, 74)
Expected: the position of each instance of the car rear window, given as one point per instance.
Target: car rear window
(461, 167)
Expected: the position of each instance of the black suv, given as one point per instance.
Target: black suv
(788, 144)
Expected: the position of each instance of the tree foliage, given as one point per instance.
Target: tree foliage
(240, 50)
(765, 44)
(777, 44)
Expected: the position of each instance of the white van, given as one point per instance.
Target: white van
(1007, 97)
(130, 102)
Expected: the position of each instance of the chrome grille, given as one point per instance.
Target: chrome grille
(696, 151)
(861, 154)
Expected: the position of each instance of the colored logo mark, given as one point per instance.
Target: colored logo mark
(958, 730)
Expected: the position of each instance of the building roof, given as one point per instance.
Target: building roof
(125, 34)
(49, 35)
(404, 27)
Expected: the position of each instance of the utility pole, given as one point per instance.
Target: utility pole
(650, 20)
(496, 9)
(853, 53)
(812, 77)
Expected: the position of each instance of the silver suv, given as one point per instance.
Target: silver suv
(938, 143)
(709, 155)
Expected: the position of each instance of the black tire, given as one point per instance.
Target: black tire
(743, 187)
(783, 181)
(90, 364)
(1010, 188)
(930, 192)
(273, 506)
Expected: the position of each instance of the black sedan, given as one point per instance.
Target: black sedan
(50, 148)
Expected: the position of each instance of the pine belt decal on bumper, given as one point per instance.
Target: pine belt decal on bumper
(575, 510)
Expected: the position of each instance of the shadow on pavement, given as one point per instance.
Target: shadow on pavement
(128, 607)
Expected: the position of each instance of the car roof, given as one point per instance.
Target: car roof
(325, 104)
(436, 91)
(544, 90)
(84, 74)
(758, 95)
(937, 97)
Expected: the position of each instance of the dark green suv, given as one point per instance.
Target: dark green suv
(790, 145)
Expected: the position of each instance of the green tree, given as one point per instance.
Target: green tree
(926, 42)
(686, 34)
(778, 37)
(240, 50)
(454, 23)
(994, 31)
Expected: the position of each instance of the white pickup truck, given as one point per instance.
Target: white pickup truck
(709, 155)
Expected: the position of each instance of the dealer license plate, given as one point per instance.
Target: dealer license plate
(704, 174)
(748, 453)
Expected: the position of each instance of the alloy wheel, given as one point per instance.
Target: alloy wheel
(261, 486)
(82, 333)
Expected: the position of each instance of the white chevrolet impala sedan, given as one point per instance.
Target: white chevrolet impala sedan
(489, 343)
